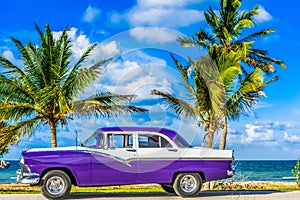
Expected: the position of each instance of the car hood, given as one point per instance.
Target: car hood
(70, 148)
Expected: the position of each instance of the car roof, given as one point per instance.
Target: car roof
(169, 133)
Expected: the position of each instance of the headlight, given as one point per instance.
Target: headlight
(24, 168)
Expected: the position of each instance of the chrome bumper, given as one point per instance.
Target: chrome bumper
(27, 177)
(231, 172)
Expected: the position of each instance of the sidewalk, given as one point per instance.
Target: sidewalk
(219, 195)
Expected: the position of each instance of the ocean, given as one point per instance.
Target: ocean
(246, 170)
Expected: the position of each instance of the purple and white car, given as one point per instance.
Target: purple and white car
(125, 155)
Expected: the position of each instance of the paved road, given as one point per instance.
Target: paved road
(220, 195)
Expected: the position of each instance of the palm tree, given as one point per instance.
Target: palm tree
(228, 33)
(210, 94)
(204, 95)
(45, 90)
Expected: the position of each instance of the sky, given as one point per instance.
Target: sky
(140, 35)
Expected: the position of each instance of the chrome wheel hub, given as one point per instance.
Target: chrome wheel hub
(55, 185)
(188, 183)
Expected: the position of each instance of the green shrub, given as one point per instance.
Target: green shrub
(296, 171)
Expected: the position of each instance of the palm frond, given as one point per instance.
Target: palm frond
(209, 83)
(205, 38)
(180, 107)
(189, 42)
(105, 105)
(212, 19)
(108, 98)
(259, 59)
(11, 134)
(255, 35)
(15, 111)
(80, 79)
(13, 90)
(242, 100)
(13, 70)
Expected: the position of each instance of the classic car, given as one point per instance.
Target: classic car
(125, 155)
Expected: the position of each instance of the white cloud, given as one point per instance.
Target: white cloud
(10, 56)
(80, 43)
(256, 133)
(263, 15)
(164, 17)
(91, 13)
(121, 71)
(292, 138)
(105, 50)
(171, 14)
(165, 3)
(276, 125)
(130, 77)
(154, 35)
(136, 73)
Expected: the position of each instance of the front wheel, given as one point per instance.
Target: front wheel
(187, 184)
(55, 184)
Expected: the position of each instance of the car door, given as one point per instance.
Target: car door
(116, 162)
(158, 158)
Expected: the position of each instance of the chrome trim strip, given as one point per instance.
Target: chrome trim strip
(206, 158)
(116, 158)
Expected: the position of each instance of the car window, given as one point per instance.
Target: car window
(152, 141)
(165, 143)
(120, 140)
(181, 142)
(95, 141)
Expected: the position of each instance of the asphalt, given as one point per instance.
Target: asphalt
(219, 195)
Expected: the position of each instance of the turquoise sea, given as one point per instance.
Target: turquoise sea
(246, 170)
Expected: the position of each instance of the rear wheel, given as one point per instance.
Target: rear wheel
(187, 184)
(55, 184)
(168, 188)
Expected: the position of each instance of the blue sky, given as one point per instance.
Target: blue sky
(140, 35)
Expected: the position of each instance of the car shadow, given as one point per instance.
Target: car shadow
(164, 194)
(119, 194)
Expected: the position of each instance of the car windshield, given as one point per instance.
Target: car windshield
(181, 142)
(94, 141)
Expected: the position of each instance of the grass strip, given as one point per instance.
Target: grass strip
(12, 188)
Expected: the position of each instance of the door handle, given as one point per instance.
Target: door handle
(131, 150)
(174, 150)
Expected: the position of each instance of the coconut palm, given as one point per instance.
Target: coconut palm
(203, 98)
(213, 93)
(45, 90)
(227, 31)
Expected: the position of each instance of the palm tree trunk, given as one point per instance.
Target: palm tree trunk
(53, 134)
(224, 135)
(210, 137)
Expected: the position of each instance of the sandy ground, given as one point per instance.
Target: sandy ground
(219, 195)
